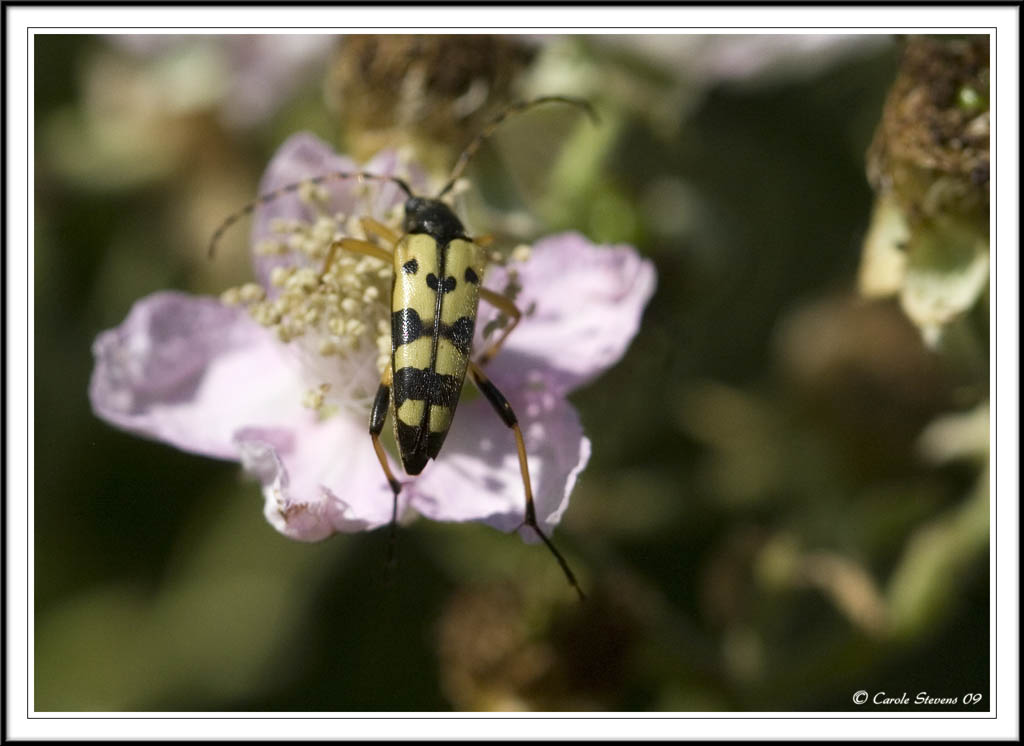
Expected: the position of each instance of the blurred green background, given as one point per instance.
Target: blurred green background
(788, 497)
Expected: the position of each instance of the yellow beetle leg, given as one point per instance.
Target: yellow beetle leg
(504, 410)
(484, 241)
(356, 246)
(373, 227)
(502, 303)
(378, 415)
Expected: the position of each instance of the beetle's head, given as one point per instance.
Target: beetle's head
(433, 217)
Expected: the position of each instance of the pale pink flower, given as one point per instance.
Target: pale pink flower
(207, 378)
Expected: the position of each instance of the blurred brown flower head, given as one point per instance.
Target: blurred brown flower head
(432, 91)
(931, 149)
(929, 164)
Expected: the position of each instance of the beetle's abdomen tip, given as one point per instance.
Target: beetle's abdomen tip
(413, 463)
(414, 455)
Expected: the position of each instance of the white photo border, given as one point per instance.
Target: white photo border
(1000, 20)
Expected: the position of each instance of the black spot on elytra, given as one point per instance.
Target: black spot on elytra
(411, 267)
(447, 287)
(406, 326)
(424, 384)
(471, 276)
(461, 334)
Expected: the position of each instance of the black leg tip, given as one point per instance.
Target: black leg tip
(562, 563)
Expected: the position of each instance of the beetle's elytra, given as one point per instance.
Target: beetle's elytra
(437, 285)
(435, 294)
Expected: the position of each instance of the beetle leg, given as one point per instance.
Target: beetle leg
(484, 241)
(504, 410)
(378, 415)
(358, 247)
(373, 227)
(505, 305)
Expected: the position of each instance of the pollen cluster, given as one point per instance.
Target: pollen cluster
(331, 309)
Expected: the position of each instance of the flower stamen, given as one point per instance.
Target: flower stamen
(334, 318)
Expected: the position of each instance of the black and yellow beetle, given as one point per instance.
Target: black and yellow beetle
(437, 286)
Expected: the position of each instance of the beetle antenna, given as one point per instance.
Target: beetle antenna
(516, 108)
(316, 180)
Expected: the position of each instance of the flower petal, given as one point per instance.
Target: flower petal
(190, 371)
(476, 477)
(326, 481)
(582, 306)
(204, 378)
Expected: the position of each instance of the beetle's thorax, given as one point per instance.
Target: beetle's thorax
(433, 217)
